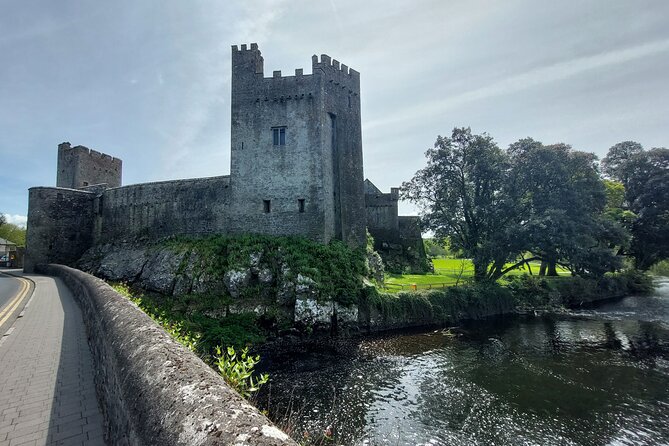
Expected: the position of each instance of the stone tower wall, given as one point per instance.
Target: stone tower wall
(80, 167)
(382, 215)
(315, 165)
(339, 89)
(60, 225)
(310, 186)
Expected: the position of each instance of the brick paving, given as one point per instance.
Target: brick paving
(47, 393)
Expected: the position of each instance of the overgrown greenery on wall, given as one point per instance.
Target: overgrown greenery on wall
(335, 268)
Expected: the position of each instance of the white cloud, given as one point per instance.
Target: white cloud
(519, 82)
(18, 220)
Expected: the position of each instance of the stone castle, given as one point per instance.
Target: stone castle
(296, 169)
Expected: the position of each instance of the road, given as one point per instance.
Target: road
(9, 287)
(14, 294)
(47, 388)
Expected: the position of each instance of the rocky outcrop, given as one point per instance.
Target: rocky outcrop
(254, 285)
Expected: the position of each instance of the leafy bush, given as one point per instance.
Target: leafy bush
(538, 292)
(660, 268)
(238, 370)
(185, 320)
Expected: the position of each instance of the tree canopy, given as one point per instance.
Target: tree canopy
(13, 233)
(644, 175)
(536, 202)
(462, 195)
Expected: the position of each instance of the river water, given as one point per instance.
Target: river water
(592, 377)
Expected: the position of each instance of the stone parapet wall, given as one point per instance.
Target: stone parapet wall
(154, 391)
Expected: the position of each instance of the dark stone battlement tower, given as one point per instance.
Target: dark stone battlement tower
(80, 167)
(296, 142)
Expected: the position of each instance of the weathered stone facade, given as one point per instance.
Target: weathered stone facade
(296, 147)
(80, 167)
(296, 169)
(397, 239)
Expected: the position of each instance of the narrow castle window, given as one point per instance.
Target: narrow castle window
(279, 136)
(300, 205)
(267, 206)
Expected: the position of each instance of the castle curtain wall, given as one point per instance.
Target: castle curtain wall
(193, 207)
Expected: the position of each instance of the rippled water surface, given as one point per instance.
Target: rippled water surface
(596, 377)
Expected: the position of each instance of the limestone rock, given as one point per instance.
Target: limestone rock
(235, 280)
(122, 264)
(160, 272)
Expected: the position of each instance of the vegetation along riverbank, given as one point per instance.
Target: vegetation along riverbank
(532, 229)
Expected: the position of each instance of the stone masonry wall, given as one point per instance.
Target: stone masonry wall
(339, 90)
(282, 174)
(183, 207)
(80, 166)
(382, 210)
(320, 163)
(60, 225)
(154, 391)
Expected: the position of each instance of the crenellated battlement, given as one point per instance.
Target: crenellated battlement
(83, 150)
(248, 68)
(329, 64)
(80, 166)
(253, 47)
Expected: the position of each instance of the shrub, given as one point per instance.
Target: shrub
(237, 370)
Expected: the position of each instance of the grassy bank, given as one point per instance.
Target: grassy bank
(449, 272)
(520, 293)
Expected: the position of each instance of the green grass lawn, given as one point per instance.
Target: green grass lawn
(446, 273)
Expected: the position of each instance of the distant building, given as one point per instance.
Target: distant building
(8, 253)
(296, 169)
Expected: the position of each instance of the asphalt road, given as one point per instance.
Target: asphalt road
(9, 288)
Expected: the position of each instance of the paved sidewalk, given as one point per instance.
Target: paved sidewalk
(47, 393)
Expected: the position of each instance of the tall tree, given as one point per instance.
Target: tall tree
(645, 176)
(462, 197)
(13, 233)
(562, 200)
(3, 220)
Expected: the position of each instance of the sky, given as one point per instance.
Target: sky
(149, 81)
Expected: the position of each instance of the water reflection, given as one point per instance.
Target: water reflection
(592, 377)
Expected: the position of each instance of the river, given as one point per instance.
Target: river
(589, 377)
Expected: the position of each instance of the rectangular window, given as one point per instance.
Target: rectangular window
(300, 205)
(279, 136)
(267, 206)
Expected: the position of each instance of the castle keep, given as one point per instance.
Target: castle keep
(296, 169)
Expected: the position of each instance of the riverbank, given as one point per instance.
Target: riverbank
(585, 376)
(380, 311)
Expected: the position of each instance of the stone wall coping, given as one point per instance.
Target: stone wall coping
(65, 189)
(153, 390)
(175, 182)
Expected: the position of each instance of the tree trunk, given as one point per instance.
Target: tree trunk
(552, 268)
(480, 271)
(542, 269)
